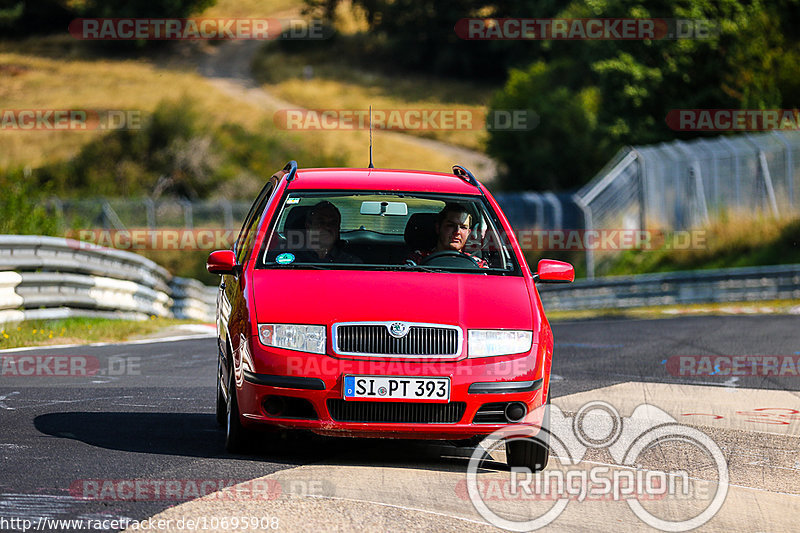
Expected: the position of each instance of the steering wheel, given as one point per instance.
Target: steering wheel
(450, 258)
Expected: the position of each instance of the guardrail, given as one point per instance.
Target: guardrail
(700, 286)
(191, 299)
(50, 277)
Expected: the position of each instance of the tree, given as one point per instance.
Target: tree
(594, 97)
(420, 35)
(565, 144)
(20, 18)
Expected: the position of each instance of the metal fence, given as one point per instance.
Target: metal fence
(683, 185)
(540, 210)
(670, 186)
(525, 210)
(129, 213)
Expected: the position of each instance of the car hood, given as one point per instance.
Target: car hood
(330, 296)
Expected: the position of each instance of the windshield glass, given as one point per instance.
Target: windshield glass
(379, 231)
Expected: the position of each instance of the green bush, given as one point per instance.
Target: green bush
(178, 153)
(23, 207)
(539, 158)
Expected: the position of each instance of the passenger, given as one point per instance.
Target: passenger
(323, 244)
(453, 226)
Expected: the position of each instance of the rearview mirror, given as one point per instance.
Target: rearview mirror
(221, 262)
(384, 208)
(552, 271)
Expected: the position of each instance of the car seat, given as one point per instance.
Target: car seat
(420, 233)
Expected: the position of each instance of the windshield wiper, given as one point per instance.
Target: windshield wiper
(411, 265)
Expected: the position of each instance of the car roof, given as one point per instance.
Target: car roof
(378, 179)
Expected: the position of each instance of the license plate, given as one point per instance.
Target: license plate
(396, 388)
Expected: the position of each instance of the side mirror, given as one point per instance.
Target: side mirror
(221, 262)
(552, 271)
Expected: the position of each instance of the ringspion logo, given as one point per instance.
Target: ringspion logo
(629, 441)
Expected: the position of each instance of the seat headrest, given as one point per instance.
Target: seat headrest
(420, 231)
(296, 219)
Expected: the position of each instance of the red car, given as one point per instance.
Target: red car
(382, 303)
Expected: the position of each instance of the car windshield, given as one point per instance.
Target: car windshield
(380, 231)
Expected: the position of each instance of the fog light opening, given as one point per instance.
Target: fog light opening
(515, 412)
(274, 406)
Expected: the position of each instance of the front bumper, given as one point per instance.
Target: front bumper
(318, 380)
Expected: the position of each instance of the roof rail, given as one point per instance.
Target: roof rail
(465, 175)
(291, 169)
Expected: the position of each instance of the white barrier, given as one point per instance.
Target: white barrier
(748, 284)
(50, 277)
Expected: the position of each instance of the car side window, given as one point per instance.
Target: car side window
(244, 243)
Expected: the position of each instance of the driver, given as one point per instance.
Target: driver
(453, 226)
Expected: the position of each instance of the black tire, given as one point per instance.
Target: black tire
(531, 452)
(222, 405)
(238, 439)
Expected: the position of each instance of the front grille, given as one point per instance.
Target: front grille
(410, 413)
(421, 340)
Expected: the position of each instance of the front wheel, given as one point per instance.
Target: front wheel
(531, 452)
(238, 438)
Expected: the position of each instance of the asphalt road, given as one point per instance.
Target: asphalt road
(147, 414)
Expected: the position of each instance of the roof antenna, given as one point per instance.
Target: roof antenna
(370, 138)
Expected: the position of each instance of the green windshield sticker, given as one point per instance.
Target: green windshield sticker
(285, 259)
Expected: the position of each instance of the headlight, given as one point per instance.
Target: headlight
(491, 342)
(293, 337)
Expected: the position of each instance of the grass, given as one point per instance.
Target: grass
(75, 80)
(656, 312)
(336, 84)
(78, 331)
(64, 83)
(732, 240)
(252, 8)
